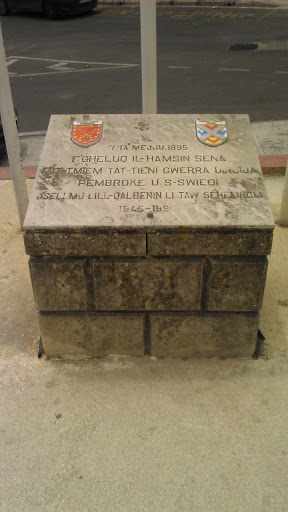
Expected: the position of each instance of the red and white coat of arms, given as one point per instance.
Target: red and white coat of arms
(86, 134)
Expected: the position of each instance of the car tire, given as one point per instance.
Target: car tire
(49, 10)
(3, 8)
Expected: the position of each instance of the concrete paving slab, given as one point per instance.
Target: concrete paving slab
(271, 137)
(31, 147)
(125, 434)
(274, 186)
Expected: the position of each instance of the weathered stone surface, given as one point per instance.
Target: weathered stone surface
(236, 284)
(94, 335)
(85, 244)
(60, 286)
(203, 335)
(148, 285)
(148, 172)
(39, 244)
(210, 243)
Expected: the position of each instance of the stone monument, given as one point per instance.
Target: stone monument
(149, 234)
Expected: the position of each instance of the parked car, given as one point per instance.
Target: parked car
(50, 8)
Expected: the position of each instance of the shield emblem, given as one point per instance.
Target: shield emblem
(212, 133)
(86, 134)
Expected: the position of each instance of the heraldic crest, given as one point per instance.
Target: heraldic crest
(212, 133)
(86, 134)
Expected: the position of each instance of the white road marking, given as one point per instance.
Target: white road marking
(73, 61)
(219, 69)
(232, 69)
(281, 72)
(76, 71)
(272, 45)
(10, 61)
(60, 66)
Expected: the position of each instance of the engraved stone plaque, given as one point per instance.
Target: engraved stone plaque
(157, 225)
(149, 171)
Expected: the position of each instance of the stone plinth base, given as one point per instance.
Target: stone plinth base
(170, 300)
(159, 334)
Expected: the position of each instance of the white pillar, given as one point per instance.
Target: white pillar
(148, 56)
(11, 136)
(283, 215)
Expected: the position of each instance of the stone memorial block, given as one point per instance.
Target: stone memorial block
(149, 234)
(91, 334)
(148, 285)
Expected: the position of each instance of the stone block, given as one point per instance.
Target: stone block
(203, 334)
(60, 285)
(210, 243)
(85, 244)
(236, 284)
(152, 284)
(39, 244)
(93, 335)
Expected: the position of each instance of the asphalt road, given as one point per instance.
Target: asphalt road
(91, 63)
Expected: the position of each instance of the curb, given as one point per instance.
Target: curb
(272, 165)
(29, 172)
(202, 3)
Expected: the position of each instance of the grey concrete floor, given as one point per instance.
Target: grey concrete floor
(124, 434)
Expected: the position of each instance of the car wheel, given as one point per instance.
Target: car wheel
(49, 10)
(3, 8)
